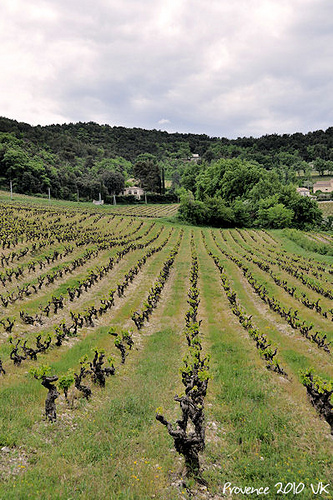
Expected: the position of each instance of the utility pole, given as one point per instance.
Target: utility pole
(100, 191)
(49, 193)
(78, 195)
(163, 180)
(11, 189)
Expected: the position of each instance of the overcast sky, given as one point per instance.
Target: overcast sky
(224, 68)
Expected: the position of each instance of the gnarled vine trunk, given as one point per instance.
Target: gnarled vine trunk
(50, 406)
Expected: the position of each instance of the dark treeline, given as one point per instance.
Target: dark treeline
(81, 157)
(91, 140)
(87, 158)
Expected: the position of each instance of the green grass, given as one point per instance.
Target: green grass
(151, 209)
(263, 438)
(294, 248)
(117, 437)
(109, 440)
(261, 428)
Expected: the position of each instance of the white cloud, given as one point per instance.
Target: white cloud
(246, 67)
(163, 121)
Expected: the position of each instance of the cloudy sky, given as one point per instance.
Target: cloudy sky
(224, 68)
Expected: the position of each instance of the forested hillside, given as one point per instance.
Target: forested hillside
(83, 159)
(90, 140)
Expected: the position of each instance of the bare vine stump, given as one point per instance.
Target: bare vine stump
(50, 406)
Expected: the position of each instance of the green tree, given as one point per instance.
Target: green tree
(218, 213)
(190, 176)
(274, 215)
(228, 178)
(307, 213)
(146, 169)
(114, 182)
(239, 178)
(268, 183)
(192, 210)
(243, 212)
(118, 164)
(14, 162)
(321, 165)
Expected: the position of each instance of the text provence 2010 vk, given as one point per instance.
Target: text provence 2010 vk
(281, 489)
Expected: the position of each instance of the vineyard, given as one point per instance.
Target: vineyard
(326, 207)
(157, 210)
(142, 359)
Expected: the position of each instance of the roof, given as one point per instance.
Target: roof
(324, 183)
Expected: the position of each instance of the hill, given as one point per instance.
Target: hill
(72, 158)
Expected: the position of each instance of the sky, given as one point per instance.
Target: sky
(223, 68)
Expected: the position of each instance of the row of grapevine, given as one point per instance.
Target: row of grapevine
(189, 432)
(92, 412)
(319, 390)
(263, 344)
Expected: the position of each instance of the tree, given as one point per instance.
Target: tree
(218, 213)
(192, 210)
(268, 183)
(228, 178)
(14, 161)
(307, 214)
(118, 164)
(147, 170)
(275, 216)
(243, 212)
(321, 165)
(190, 176)
(114, 182)
(175, 180)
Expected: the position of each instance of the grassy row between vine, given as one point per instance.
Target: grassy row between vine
(260, 428)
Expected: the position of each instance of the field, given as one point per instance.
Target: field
(155, 210)
(326, 207)
(130, 304)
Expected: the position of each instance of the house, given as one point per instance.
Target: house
(323, 186)
(303, 191)
(194, 157)
(136, 191)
